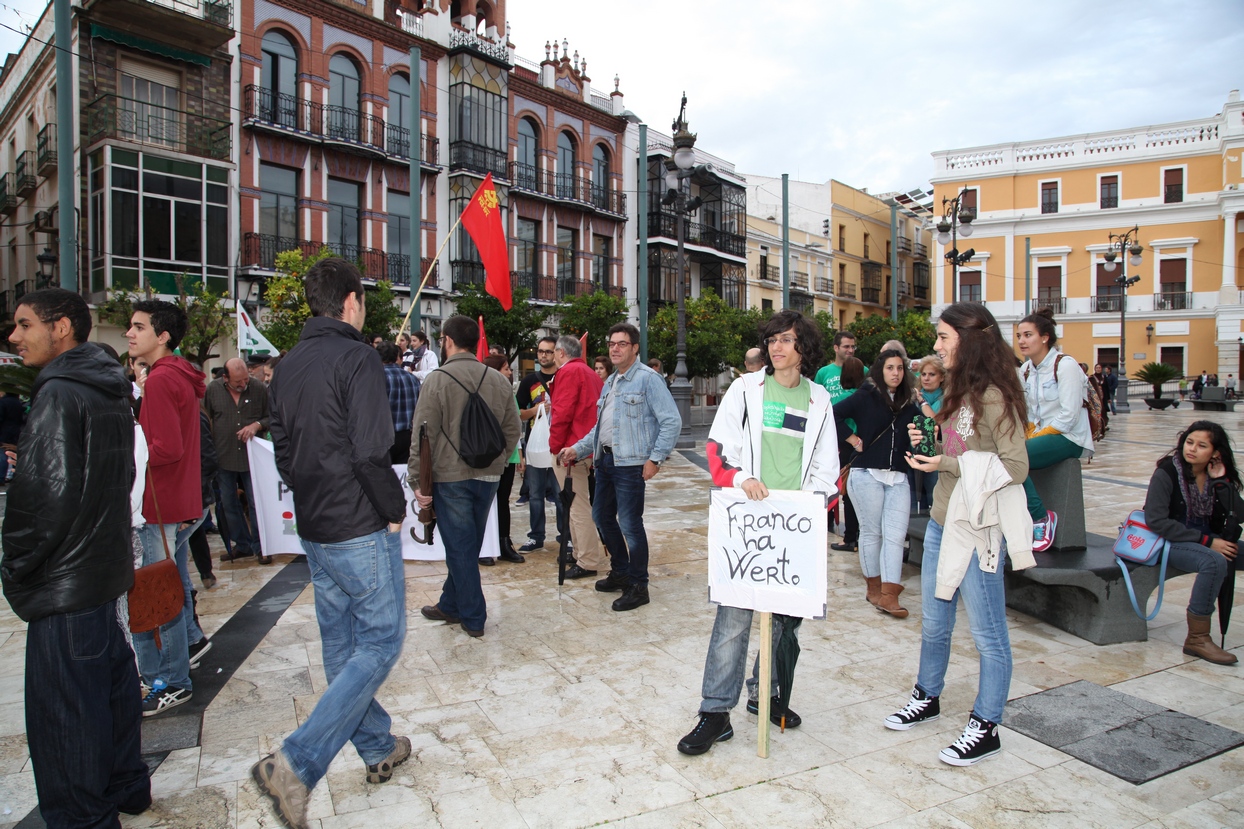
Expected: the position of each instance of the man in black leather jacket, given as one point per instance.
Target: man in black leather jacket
(67, 562)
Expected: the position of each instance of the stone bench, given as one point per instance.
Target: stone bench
(1213, 399)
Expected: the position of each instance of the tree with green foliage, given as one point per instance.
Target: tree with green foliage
(912, 328)
(717, 335)
(594, 313)
(208, 318)
(513, 330)
(384, 314)
(286, 299)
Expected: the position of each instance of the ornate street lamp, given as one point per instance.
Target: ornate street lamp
(1126, 243)
(956, 221)
(679, 171)
(47, 267)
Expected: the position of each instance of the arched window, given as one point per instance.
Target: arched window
(343, 99)
(565, 165)
(277, 97)
(600, 175)
(398, 128)
(526, 168)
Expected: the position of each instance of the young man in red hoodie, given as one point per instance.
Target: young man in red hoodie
(173, 501)
(573, 416)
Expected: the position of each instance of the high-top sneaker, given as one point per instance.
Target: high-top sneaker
(919, 709)
(979, 741)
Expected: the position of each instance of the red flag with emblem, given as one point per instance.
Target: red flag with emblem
(482, 219)
(481, 348)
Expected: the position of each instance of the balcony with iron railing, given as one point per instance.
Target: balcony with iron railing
(465, 273)
(799, 280)
(567, 188)
(824, 285)
(665, 224)
(259, 250)
(542, 288)
(1172, 301)
(197, 25)
(397, 145)
(345, 127)
(1056, 304)
(1172, 193)
(904, 289)
(768, 273)
(27, 181)
(138, 122)
(463, 155)
(904, 244)
(846, 289)
(45, 149)
(802, 302)
(8, 193)
(1107, 303)
(920, 250)
(410, 23)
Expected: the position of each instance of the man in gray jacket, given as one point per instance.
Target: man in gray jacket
(462, 495)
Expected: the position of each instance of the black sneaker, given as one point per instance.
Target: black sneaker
(712, 728)
(919, 709)
(979, 741)
(162, 699)
(488, 561)
(613, 582)
(793, 720)
(198, 649)
(531, 547)
(635, 596)
(577, 572)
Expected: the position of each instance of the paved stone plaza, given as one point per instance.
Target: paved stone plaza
(566, 714)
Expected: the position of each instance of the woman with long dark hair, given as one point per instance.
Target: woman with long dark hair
(982, 422)
(1194, 503)
(882, 409)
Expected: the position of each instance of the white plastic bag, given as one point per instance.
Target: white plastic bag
(538, 454)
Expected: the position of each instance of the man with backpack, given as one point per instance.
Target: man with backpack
(473, 427)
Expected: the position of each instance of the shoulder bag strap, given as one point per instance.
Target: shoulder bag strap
(1131, 592)
(159, 520)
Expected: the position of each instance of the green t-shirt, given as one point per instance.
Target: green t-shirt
(830, 377)
(781, 437)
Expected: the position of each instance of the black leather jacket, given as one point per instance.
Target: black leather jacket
(67, 521)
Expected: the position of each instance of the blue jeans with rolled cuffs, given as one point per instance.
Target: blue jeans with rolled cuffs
(727, 660)
(984, 596)
(360, 603)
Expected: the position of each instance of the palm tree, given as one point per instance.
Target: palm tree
(1156, 374)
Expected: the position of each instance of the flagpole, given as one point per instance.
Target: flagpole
(415, 299)
(237, 321)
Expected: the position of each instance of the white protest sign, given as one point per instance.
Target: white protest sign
(768, 555)
(278, 526)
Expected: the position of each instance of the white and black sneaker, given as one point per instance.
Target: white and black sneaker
(919, 709)
(161, 699)
(198, 650)
(979, 741)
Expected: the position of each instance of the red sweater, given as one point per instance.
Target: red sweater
(170, 419)
(574, 404)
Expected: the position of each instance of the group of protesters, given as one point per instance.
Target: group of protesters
(114, 475)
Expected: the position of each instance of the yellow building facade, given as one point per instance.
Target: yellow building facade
(1044, 214)
(811, 268)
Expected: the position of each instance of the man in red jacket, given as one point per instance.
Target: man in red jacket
(173, 501)
(573, 416)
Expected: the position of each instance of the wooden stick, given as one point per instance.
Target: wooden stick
(414, 299)
(763, 686)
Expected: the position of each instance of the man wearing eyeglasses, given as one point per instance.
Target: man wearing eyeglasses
(538, 483)
(636, 426)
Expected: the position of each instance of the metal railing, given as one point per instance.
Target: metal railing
(219, 12)
(465, 272)
(1172, 301)
(1172, 193)
(801, 302)
(846, 289)
(921, 250)
(8, 193)
(1056, 304)
(566, 187)
(260, 250)
(542, 288)
(665, 224)
(45, 149)
(904, 244)
(1109, 202)
(1107, 304)
(397, 144)
(799, 280)
(464, 155)
(769, 273)
(411, 24)
(112, 116)
(27, 181)
(824, 285)
(327, 121)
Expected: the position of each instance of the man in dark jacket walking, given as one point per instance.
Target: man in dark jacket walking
(332, 432)
(67, 566)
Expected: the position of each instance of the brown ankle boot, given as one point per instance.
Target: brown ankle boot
(1200, 644)
(874, 589)
(889, 600)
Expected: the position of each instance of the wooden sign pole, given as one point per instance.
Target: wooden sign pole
(763, 685)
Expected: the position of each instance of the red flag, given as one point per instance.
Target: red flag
(482, 219)
(583, 346)
(481, 348)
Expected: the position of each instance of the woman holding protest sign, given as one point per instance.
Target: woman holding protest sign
(982, 420)
(773, 430)
(882, 410)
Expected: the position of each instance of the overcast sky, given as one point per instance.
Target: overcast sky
(863, 90)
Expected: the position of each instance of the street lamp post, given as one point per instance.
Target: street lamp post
(1129, 250)
(956, 221)
(679, 171)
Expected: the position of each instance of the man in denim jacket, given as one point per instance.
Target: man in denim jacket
(636, 426)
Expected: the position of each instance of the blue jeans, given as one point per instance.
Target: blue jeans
(83, 716)
(360, 603)
(619, 514)
(984, 595)
(462, 509)
(726, 661)
(244, 537)
(542, 483)
(171, 661)
(883, 510)
(1211, 569)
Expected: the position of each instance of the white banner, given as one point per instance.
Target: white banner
(278, 527)
(768, 555)
(249, 338)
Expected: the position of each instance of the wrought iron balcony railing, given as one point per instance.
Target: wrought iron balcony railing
(921, 250)
(566, 188)
(801, 302)
(799, 280)
(904, 244)
(1172, 301)
(542, 288)
(8, 193)
(769, 273)
(328, 122)
(111, 116)
(846, 289)
(665, 224)
(45, 149)
(260, 250)
(466, 273)
(1105, 303)
(397, 144)
(464, 155)
(824, 285)
(27, 181)
(1056, 304)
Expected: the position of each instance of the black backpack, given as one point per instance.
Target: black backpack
(480, 439)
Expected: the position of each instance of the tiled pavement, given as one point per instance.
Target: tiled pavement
(566, 714)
